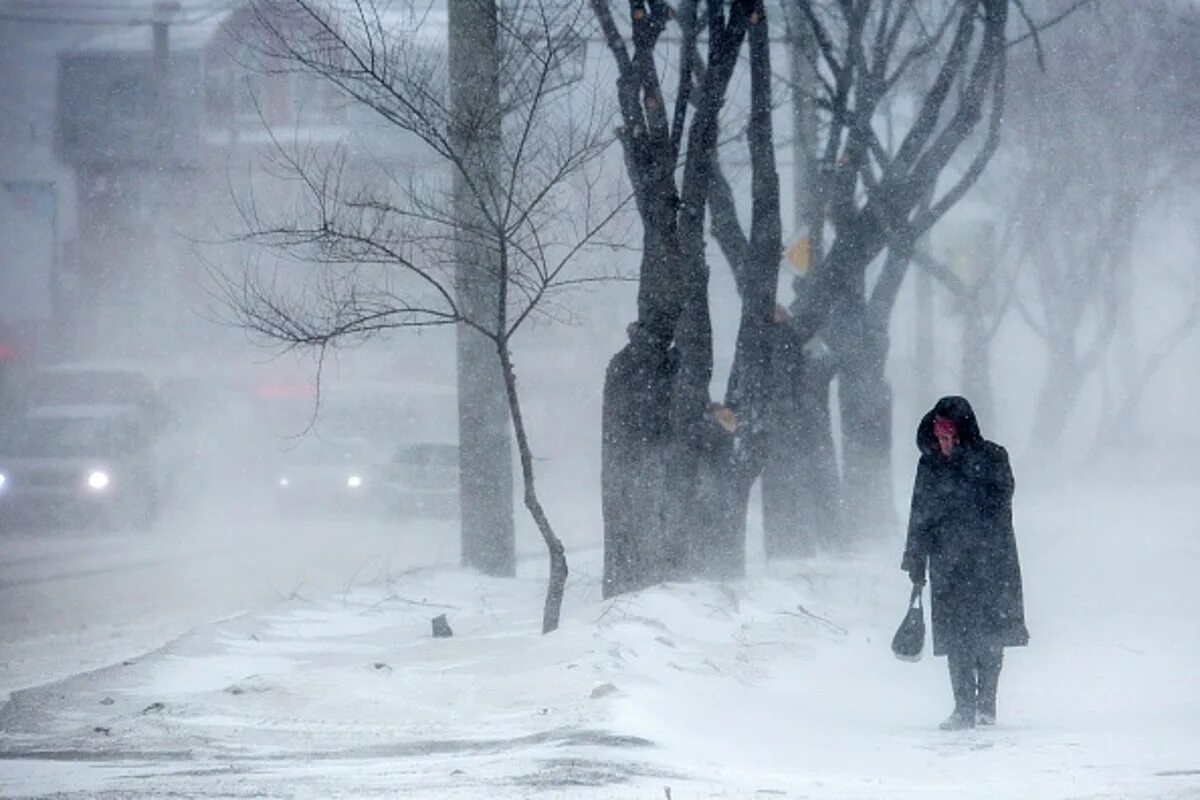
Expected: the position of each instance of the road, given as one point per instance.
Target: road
(72, 601)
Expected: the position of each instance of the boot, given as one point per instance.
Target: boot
(964, 683)
(961, 719)
(990, 662)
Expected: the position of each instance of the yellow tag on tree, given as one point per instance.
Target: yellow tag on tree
(800, 255)
(725, 418)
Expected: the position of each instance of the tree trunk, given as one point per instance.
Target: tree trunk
(976, 358)
(866, 409)
(1058, 395)
(784, 533)
(801, 484)
(485, 445)
(717, 550)
(865, 404)
(656, 421)
(864, 394)
(751, 379)
(636, 432)
(558, 558)
(1119, 425)
(800, 491)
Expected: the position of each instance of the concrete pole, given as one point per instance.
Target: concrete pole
(485, 437)
(160, 289)
(803, 80)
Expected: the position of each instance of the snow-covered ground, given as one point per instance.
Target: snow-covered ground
(76, 600)
(781, 685)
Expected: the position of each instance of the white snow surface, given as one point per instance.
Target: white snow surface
(779, 685)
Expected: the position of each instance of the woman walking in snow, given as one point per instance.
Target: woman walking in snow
(961, 525)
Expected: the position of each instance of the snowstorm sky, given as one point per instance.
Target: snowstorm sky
(1165, 266)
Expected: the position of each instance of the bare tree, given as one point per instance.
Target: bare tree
(909, 96)
(1115, 424)
(879, 187)
(677, 466)
(753, 257)
(1107, 135)
(980, 272)
(379, 248)
(890, 136)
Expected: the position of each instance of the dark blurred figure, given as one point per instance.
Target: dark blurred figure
(636, 431)
(961, 525)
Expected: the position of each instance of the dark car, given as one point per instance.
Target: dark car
(423, 480)
(93, 464)
(330, 475)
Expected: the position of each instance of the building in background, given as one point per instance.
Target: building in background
(160, 122)
(130, 130)
(37, 211)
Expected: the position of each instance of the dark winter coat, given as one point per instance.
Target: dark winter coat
(961, 524)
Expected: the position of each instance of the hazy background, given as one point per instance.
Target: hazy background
(101, 259)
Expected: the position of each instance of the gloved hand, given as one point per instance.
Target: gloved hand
(917, 574)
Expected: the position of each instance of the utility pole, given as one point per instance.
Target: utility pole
(805, 191)
(160, 25)
(159, 296)
(484, 427)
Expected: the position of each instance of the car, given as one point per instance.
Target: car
(95, 384)
(422, 480)
(335, 475)
(83, 464)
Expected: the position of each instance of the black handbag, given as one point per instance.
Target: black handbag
(909, 640)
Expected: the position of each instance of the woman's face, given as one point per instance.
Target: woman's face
(946, 442)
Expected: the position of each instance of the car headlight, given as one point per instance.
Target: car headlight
(284, 482)
(98, 480)
(3, 481)
(354, 481)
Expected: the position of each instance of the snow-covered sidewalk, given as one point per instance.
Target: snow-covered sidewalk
(778, 685)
